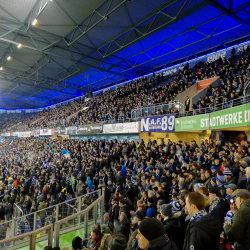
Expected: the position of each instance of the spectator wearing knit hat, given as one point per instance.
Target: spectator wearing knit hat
(118, 242)
(197, 186)
(108, 222)
(77, 243)
(176, 207)
(214, 171)
(220, 181)
(218, 205)
(172, 225)
(151, 236)
(228, 175)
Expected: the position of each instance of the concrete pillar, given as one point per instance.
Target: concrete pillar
(248, 135)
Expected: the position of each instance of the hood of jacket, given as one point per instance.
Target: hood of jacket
(245, 204)
(105, 237)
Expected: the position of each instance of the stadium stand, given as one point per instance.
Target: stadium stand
(149, 181)
(116, 106)
(59, 190)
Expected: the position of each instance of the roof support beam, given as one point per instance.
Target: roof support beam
(227, 12)
(59, 56)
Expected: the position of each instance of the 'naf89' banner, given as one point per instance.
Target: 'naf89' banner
(163, 123)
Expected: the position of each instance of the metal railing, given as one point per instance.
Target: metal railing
(89, 216)
(150, 109)
(247, 87)
(18, 212)
(32, 238)
(18, 225)
(224, 105)
(85, 219)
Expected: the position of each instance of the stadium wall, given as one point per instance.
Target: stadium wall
(172, 136)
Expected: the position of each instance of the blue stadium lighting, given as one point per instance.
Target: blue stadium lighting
(126, 82)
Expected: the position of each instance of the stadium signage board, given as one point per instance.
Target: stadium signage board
(24, 134)
(90, 128)
(229, 118)
(37, 133)
(71, 130)
(164, 123)
(120, 128)
(190, 123)
(82, 129)
(45, 132)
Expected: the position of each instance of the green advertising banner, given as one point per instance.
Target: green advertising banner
(230, 118)
(190, 123)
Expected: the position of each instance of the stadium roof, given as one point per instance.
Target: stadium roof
(82, 45)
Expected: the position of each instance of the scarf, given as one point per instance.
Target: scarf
(213, 204)
(198, 215)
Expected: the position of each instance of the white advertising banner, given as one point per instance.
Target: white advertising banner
(24, 134)
(46, 132)
(121, 128)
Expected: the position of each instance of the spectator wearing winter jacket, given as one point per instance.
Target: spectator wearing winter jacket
(124, 172)
(172, 225)
(117, 242)
(220, 181)
(218, 205)
(229, 178)
(124, 226)
(248, 178)
(108, 222)
(151, 235)
(27, 204)
(239, 231)
(203, 230)
(241, 184)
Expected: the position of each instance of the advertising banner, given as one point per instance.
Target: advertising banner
(5, 134)
(229, 118)
(122, 138)
(82, 129)
(60, 131)
(45, 132)
(71, 130)
(37, 133)
(24, 134)
(164, 123)
(119, 128)
(90, 128)
(190, 123)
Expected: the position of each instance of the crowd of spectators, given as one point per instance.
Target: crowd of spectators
(233, 72)
(116, 105)
(175, 194)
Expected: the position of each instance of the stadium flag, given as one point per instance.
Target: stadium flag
(66, 153)
(11, 143)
